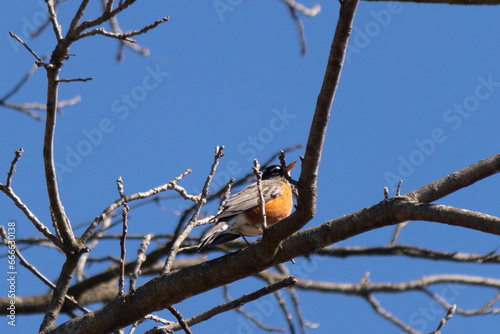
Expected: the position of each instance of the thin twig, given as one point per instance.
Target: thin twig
(30, 267)
(491, 302)
(457, 180)
(262, 203)
(300, 28)
(101, 31)
(91, 245)
(192, 222)
(411, 251)
(39, 106)
(75, 79)
(420, 285)
(397, 230)
(286, 312)
(119, 185)
(225, 196)
(39, 61)
(140, 260)
(183, 192)
(119, 202)
(38, 224)
(53, 19)
(76, 29)
(445, 305)
(374, 303)
(180, 319)
(113, 22)
(121, 281)
(70, 102)
(12, 169)
(158, 319)
(41, 28)
(398, 190)
(222, 203)
(249, 316)
(303, 9)
(302, 321)
(445, 319)
(124, 36)
(22, 108)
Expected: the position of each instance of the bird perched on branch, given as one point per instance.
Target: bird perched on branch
(242, 214)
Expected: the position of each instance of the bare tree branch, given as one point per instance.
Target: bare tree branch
(38, 62)
(306, 203)
(124, 36)
(7, 189)
(192, 223)
(280, 243)
(180, 319)
(249, 316)
(457, 180)
(140, 259)
(375, 304)
(262, 203)
(411, 251)
(75, 79)
(37, 273)
(123, 250)
(53, 19)
(12, 169)
(445, 319)
(60, 292)
(388, 287)
(286, 312)
(119, 202)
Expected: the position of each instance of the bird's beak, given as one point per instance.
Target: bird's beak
(290, 166)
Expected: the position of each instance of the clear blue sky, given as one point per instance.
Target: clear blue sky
(418, 99)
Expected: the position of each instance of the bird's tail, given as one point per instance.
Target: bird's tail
(217, 236)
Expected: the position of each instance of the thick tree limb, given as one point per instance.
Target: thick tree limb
(307, 187)
(174, 287)
(457, 180)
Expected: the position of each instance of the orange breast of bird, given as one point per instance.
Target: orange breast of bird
(276, 209)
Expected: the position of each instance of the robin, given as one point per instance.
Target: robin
(242, 215)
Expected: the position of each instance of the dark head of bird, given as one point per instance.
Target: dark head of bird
(275, 171)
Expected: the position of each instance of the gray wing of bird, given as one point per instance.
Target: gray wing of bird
(249, 198)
